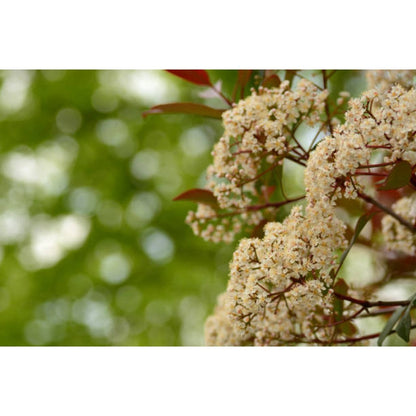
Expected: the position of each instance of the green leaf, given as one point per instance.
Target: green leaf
(398, 177)
(340, 287)
(202, 196)
(185, 108)
(196, 76)
(390, 324)
(405, 324)
(361, 223)
(403, 327)
(348, 328)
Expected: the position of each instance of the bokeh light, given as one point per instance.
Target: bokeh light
(92, 249)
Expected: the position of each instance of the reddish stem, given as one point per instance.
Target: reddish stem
(368, 304)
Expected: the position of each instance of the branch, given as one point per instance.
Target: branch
(325, 79)
(363, 338)
(401, 220)
(273, 204)
(222, 95)
(379, 312)
(368, 304)
(255, 208)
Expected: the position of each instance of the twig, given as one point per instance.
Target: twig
(325, 79)
(368, 304)
(401, 220)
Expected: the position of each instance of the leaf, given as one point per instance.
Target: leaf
(243, 77)
(211, 92)
(196, 76)
(399, 262)
(361, 223)
(353, 206)
(267, 192)
(405, 324)
(340, 287)
(289, 75)
(184, 108)
(348, 328)
(403, 327)
(390, 324)
(273, 81)
(258, 231)
(398, 177)
(202, 196)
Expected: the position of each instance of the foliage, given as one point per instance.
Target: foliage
(286, 285)
(98, 170)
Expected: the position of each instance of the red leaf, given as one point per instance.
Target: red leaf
(202, 196)
(273, 81)
(341, 287)
(187, 108)
(196, 76)
(267, 192)
(399, 263)
(243, 77)
(258, 231)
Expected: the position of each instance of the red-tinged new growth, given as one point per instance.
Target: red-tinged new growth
(284, 287)
(281, 288)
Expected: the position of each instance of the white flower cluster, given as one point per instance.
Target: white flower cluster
(211, 226)
(257, 137)
(389, 127)
(218, 328)
(396, 236)
(383, 80)
(278, 289)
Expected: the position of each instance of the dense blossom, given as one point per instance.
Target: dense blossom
(334, 168)
(210, 225)
(281, 287)
(258, 129)
(257, 137)
(218, 328)
(278, 284)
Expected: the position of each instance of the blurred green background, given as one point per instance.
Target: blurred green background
(93, 250)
